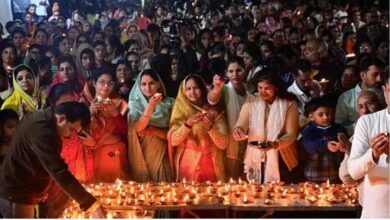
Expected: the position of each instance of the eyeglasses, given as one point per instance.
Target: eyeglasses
(108, 83)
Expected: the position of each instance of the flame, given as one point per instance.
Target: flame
(245, 199)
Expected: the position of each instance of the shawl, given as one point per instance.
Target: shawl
(79, 50)
(138, 103)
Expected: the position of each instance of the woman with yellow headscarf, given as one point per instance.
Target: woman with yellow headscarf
(198, 133)
(26, 96)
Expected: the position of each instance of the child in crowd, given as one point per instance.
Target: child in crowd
(320, 141)
(8, 122)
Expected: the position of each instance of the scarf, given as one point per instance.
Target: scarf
(257, 131)
(79, 50)
(138, 103)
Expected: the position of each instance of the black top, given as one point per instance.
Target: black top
(34, 161)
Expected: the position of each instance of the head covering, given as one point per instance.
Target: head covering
(79, 50)
(183, 108)
(18, 96)
(138, 103)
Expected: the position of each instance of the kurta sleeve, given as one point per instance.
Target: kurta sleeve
(291, 125)
(219, 133)
(47, 148)
(360, 159)
(179, 135)
(343, 172)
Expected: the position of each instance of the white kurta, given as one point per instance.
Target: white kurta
(361, 164)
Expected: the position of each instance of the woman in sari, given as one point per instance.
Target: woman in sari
(149, 113)
(198, 133)
(108, 128)
(26, 96)
(67, 73)
(271, 118)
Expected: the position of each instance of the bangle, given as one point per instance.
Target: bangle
(187, 125)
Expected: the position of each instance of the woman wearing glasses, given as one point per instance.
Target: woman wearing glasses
(108, 127)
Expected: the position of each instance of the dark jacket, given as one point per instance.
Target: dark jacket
(34, 161)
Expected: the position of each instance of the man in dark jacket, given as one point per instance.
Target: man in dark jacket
(34, 161)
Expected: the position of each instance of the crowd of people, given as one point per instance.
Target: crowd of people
(263, 91)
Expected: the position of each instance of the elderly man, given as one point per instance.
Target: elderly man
(369, 158)
(316, 51)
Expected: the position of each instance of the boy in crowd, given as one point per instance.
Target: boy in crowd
(320, 141)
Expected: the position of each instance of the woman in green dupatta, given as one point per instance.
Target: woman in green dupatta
(26, 96)
(149, 114)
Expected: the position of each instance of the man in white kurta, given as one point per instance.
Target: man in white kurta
(369, 158)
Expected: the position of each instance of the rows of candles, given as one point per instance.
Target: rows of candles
(126, 199)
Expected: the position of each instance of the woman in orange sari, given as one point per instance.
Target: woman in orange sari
(108, 128)
(199, 134)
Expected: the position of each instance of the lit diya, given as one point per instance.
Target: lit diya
(284, 194)
(312, 199)
(245, 199)
(157, 95)
(268, 201)
(334, 200)
(324, 81)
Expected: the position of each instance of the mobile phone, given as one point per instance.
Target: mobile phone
(82, 133)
